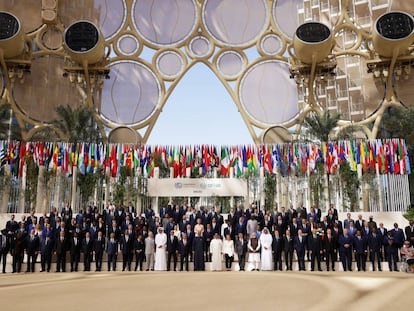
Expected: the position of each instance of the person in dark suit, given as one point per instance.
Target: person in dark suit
(345, 250)
(241, 250)
(277, 248)
(61, 245)
(32, 250)
(98, 250)
(139, 250)
(299, 245)
(409, 232)
(330, 249)
(361, 250)
(391, 249)
(288, 248)
(184, 248)
(46, 251)
(398, 235)
(112, 248)
(87, 249)
(315, 248)
(208, 237)
(172, 249)
(75, 250)
(127, 248)
(375, 241)
(4, 248)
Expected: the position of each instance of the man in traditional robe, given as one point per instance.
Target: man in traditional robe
(254, 251)
(266, 241)
(216, 247)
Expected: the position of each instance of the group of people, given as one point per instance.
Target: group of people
(179, 234)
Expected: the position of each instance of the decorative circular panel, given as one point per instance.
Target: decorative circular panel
(27, 11)
(267, 93)
(44, 89)
(165, 22)
(230, 64)
(52, 39)
(128, 45)
(200, 47)
(285, 13)
(170, 64)
(131, 94)
(109, 15)
(271, 44)
(235, 22)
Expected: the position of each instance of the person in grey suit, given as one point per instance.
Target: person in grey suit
(241, 250)
(112, 248)
(150, 251)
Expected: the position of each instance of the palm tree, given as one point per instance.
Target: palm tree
(320, 126)
(78, 124)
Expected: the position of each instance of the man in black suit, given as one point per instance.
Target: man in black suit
(127, 248)
(98, 250)
(241, 250)
(330, 249)
(4, 248)
(277, 248)
(184, 248)
(361, 250)
(172, 249)
(87, 248)
(139, 249)
(32, 249)
(46, 251)
(409, 232)
(345, 250)
(316, 249)
(375, 243)
(208, 237)
(300, 248)
(75, 250)
(288, 247)
(112, 248)
(60, 252)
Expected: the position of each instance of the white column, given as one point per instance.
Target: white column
(294, 191)
(22, 190)
(278, 189)
(40, 208)
(57, 187)
(261, 187)
(360, 196)
(6, 190)
(74, 188)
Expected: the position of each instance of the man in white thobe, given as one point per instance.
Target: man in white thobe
(266, 241)
(216, 246)
(160, 250)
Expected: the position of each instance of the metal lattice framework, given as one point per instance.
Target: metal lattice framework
(151, 44)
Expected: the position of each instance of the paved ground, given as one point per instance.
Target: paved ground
(207, 291)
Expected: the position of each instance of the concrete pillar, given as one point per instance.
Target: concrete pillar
(278, 189)
(6, 190)
(40, 208)
(261, 187)
(74, 189)
(56, 199)
(360, 195)
(379, 188)
(22, 190)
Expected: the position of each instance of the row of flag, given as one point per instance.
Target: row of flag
(387, 156)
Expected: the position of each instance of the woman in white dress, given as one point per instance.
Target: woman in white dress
(228, 251)
(266, 241)
(160, 250)
(216, 247)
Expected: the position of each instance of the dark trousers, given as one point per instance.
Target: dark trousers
(126, 261)
(375, 255)
(87, 259)
(31, 260)
(361, 260)
(346, 259)
(229, 261)
(301, 260)
(316, 256)
(174, 256)
(242, 261)
(98, 261)
(392, 258)
(17, 262)
(74, 261)
(112, 262)
(289, 259)
(207, 252)
(4, 257)
(277, 258)
(184, 259)
(330, 257)
(61, 262)
(46, 261)
(139, 259)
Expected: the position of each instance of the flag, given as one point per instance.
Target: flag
(225, 161)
